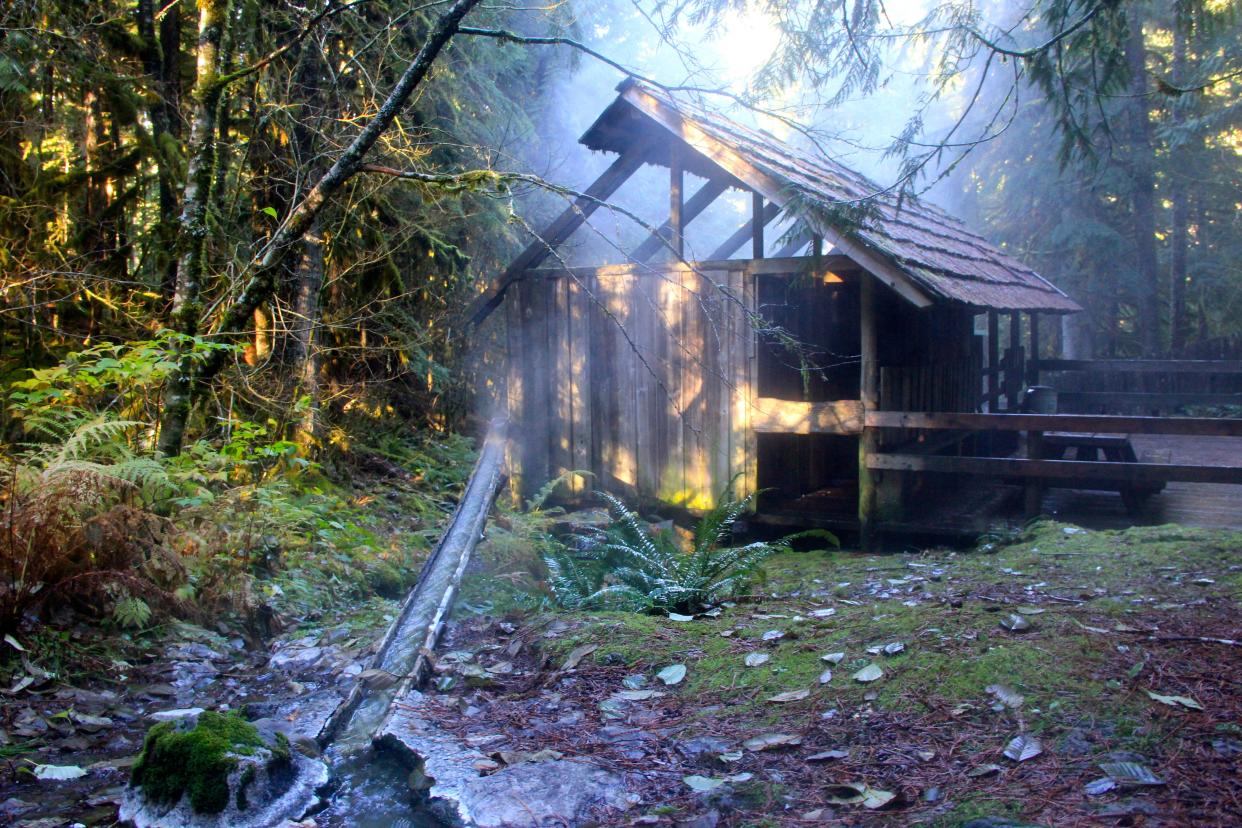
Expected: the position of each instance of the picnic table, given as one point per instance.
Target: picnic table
(1113, 448)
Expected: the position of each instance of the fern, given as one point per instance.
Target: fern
(131, 612)
(536, 503)
(638, 570)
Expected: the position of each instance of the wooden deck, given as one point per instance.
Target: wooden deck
(1193, 504)
(963, 512)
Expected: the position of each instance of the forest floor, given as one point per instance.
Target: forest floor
(1090, 646)
(1089, 655)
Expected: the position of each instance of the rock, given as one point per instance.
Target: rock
(216, 770)
(700, 746)
(525, 795)
(296, 659)
(175, 715)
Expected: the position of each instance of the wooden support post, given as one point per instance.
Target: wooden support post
(676, 201)
(756, 223)
(1032, 359)
(698, 202)
(993, 359)
(869, 441)
(1013, 365)
(1034, 495)
(817, 245)
(770, 211)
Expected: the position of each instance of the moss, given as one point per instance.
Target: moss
(197, 762)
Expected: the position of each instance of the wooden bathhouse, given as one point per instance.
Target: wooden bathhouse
(666, 378)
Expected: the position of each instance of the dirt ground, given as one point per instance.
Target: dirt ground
(1106, 662)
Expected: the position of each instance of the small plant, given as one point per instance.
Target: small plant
(639, 569)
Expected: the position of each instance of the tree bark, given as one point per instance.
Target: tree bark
(1180, 237)
(305, 356)
(1144, 194)
(161, 56)
(265, 270)
(200, 173)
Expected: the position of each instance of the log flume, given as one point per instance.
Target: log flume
(404, 651)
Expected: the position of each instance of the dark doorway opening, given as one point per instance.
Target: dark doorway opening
(810, 475)
(814, 356)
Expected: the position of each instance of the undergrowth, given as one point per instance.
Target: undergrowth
(242, 524)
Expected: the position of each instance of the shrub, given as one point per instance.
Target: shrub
(636, 568)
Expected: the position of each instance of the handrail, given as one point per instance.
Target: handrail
(1145, 366)
(1097, 423)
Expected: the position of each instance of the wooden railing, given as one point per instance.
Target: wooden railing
(1036, 470)
(1118, 386)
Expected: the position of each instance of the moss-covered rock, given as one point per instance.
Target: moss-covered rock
(195, 758)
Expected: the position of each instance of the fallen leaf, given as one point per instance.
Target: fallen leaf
(730, 757)
(1130, 773)
(740, 777)
(1006, 695)
(771, 741)
(1030, 611)
(1022, 747)
(14, 643)
(702, 784)
(833, 658)
(673, 674)
(756, 659)
(1015, 623)
(58, 772)
(635, 682)
(869, 673)
(576, 655)
(676, 616)
(791, 696)
(893, 648)
(825, 677)
(851, 793)
(1099, 786)
(635, 695)
(1176, 701)
(773, 635)
(828, 755)
(823, 613)
(984, 770)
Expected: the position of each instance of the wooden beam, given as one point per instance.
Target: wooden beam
(1032, 364)
(1091, 423)
(702, 198)
(756, 224)
(676, 200)
(868, 442)
(878, 267)
(773, 416)
(993, 358)
(1145, 366)
(745, 232)
(561, 228)
(1086, 470)
(1153, 399)
(796, 265)
(1013, 374)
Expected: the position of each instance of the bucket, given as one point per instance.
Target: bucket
(1041, 399)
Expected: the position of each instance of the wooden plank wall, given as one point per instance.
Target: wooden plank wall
(643, 378)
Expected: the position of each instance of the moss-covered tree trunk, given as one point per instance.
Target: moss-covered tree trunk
(273, 259)
(192, 231)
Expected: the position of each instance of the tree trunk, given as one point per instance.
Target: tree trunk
(305, 356)
(1144, 195)
(200, 173)
(1180, 240)
(161, 55)
(267, 267)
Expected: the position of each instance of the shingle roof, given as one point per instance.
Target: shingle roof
(931, 248)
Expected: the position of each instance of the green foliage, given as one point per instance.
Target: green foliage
(639, 569)
(132, 612)
(177, 762)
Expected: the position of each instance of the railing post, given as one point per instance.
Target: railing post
(1034, 494)
(993, 360)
